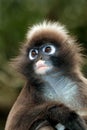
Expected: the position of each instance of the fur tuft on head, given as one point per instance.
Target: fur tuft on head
(47, 27)
(47, 30)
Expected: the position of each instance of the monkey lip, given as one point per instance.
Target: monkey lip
(42, 67)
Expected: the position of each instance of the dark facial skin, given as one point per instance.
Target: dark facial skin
(41, 57)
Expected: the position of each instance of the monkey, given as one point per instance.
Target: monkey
(54, 96)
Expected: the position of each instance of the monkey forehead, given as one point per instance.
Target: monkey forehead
(49, 30)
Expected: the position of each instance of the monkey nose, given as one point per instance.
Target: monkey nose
(40, 63)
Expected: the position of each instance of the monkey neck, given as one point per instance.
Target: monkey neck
(61, 88)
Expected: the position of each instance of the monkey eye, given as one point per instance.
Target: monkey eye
(49, 49)
(33, 54)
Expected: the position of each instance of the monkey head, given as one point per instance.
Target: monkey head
(48, 48)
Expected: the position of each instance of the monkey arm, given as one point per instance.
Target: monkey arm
(67, 117)
(52, 112)
(58, 113)
(27, 115)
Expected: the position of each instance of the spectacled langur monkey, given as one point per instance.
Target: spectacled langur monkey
(55, 94)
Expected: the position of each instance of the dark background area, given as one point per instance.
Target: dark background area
(15, 18)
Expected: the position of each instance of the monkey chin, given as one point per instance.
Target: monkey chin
(43, 70)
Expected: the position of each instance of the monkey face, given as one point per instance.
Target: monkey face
(41, 56)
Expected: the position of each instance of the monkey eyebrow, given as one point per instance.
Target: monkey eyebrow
(34, 47)
(45, 45)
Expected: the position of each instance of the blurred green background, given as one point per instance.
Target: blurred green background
(15, 18)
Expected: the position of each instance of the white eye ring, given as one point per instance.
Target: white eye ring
(33, 54)
(49, 49)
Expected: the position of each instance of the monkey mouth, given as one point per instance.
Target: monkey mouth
(42, 66)
(42, 69)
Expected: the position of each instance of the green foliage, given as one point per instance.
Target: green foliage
(15, 18)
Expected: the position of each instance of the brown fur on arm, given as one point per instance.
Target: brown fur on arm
(26, 114)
